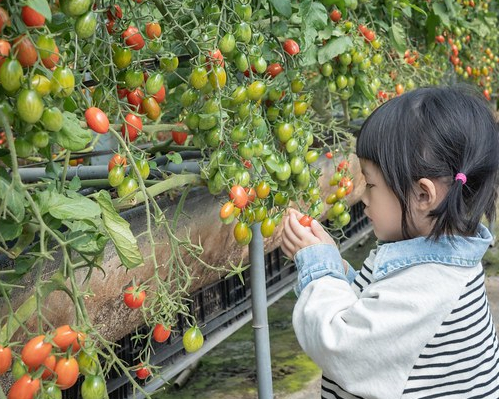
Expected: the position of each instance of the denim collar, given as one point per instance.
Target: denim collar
(447, 250)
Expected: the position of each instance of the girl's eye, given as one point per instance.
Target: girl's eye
(368, 185)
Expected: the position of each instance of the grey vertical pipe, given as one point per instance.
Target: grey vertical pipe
(260, 319)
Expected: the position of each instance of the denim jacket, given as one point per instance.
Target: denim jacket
(321, 260)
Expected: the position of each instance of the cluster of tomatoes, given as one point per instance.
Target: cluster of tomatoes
(53, 362)
(339, 213)
(134, 297)
(352, 75)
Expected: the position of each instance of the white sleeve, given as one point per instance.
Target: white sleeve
(368, 345)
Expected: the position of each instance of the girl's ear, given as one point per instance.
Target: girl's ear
(429, 194)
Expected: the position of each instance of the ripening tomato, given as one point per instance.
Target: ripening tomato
(343, 166)
(242, 233)
(31, 17)
(142, 372)
(217, 77)
(115, 12)
(267, 227)
(239, 196)
(35, 351)
(24, 388)
(161, 333)
(153, 30)
(134, 297)
(193, 339)
(97, 120)
(4, 19)
(347, 183)
(291, 47)
(154, 83)
(274, 69)
(5, 359)
(256, 90)
(179, 137)
(133, 38)
(151, 108)
(335, 15)
(67, 371)
(143, 167)
(227, 210)
(399, 88)
(5, 48)
(132, 126)
(306, 220)
(24, 50)
(117, 159)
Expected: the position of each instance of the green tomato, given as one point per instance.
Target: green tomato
(127, 187)
(85, 25)
(52, 119)
(29, 106)
(193, 339)
(93, 387)
(11, 75)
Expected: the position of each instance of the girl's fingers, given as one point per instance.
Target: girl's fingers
(319, 232)
(303, 233)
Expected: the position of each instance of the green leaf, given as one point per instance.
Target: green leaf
(431, 23)
(88, 244)
(273, 165)
(10, 230)
(41, 6)
(397, 36)
(174, 157)
(62, 207)
(313, 14)
(75, 183)
(441, 11)
(72, 136)
(363, 82)
(119, 231)
(334, 47)
(13, 199)
(283, 7)
(413, 6)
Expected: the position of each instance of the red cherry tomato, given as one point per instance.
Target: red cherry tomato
(134, 297)
(291, 47)
(97, 120)
(179, 137)
(133, 124)
(133, 38)
(64, 337)
(67, 371)
(274, 69)
(31, 17)
(142, 372)
(161, 333)
(5, 359)
(24, 388)
(306, 220)
(35, 351)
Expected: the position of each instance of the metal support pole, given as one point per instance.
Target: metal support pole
(260, 320)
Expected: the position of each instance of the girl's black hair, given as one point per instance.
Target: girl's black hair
(437, 132)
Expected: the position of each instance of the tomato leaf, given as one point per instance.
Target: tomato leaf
(313, 14)
(72, 136)
(119, 231)
(13, 199)
(283, 7)
(62, 207)
(441, 11)
(10, 230)
(397, 36)
(363, 83)
(41, 6)
(431, 23)
(334, 47)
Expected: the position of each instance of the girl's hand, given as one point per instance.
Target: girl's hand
(295, 236)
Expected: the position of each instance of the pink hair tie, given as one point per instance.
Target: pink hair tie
(462, 177)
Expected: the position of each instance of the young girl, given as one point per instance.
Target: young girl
(414, 322)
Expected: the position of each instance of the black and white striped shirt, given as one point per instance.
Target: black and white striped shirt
(461, 361)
